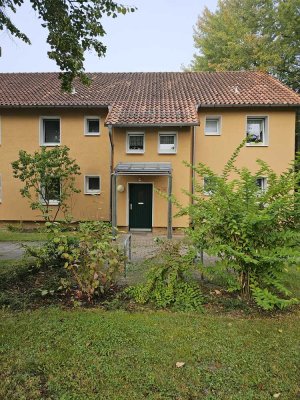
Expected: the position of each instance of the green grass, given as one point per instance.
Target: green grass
(93, 354)
(9, 236)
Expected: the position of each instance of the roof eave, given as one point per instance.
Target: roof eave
(172, 124)
(248, 105)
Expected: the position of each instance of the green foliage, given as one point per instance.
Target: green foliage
(91, 257)
(73, 28)
(47, 174)
(250, 35)
(167, 283)
(255, 234)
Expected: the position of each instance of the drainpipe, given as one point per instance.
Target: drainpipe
(193, 161)
(111, 167)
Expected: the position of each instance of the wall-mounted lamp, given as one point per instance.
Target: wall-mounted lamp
(120, 188)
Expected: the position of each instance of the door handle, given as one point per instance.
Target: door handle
(130, 206)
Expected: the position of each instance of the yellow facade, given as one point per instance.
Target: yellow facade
(20, 130)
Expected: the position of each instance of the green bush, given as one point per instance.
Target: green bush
(168, 284)
(254, 233)
(89, 255)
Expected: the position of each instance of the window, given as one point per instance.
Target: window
(51, 192)
(92, 184)
(135, 142)
(212, 126)
(261, 183)
(167, 142)
(50, 131)
(256, 131)
(92, 126)
(208, 185)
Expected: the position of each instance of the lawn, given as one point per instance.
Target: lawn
(50, 350)
(94, 354)
(19, 236)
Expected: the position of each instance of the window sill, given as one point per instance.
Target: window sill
(50, 144)
(92, 134)
(135, 152)
(168, 152)
(51, 203)
(92, 193)
(212, 134)
(256, 145)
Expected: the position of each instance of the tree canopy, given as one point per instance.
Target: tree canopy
(74, 26)
(250, 35)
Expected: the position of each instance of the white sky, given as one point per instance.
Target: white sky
(157, 37)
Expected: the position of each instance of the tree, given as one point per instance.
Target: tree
(74, 26)
(250, 35)
(254, 231)
(49, 179)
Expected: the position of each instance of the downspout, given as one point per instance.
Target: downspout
(111, 166)
(193, 162)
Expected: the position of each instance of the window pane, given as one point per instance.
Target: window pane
(52, 190)
(255, 129)
(136, 142)
(51, 130)
(93, 125)
(167, 139)
(261, 183)
(94, 183)
(212, 125)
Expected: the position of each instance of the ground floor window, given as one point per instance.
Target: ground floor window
(92, 184)
(261, 183)
(51, 191)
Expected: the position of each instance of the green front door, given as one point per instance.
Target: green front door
(140, 206)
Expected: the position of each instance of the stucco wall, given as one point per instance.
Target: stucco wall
(20, 130)
(216, 150)
(181, 174)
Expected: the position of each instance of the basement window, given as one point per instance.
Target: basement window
(50, 131)
(92, 184)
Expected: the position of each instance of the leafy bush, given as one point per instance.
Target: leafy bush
(90, 256)
(167, 283)
(255, 233)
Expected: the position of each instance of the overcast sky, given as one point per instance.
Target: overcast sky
(157, 37)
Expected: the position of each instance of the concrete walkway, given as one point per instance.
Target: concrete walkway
(13, 250)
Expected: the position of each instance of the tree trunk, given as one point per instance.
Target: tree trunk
(245, 285)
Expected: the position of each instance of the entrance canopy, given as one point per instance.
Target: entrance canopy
(148, 168)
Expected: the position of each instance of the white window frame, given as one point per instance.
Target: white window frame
(128, 134)
(86, 132)
(263, 188)
(86, 188)
(215, 117)
(51, 202)
(42, 136)
(265, 141)
(164, 133)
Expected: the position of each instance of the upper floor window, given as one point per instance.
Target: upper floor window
(50, 194)
(92, 126)
(212, 126)
(167, 142)
(256, 131)
(92, 184)
(50, 131)
(135, 142)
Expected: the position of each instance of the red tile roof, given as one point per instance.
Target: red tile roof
(148, 98)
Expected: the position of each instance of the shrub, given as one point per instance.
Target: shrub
(168, 284)
(90, 256)
(255, 233)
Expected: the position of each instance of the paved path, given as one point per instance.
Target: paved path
(13, 250)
